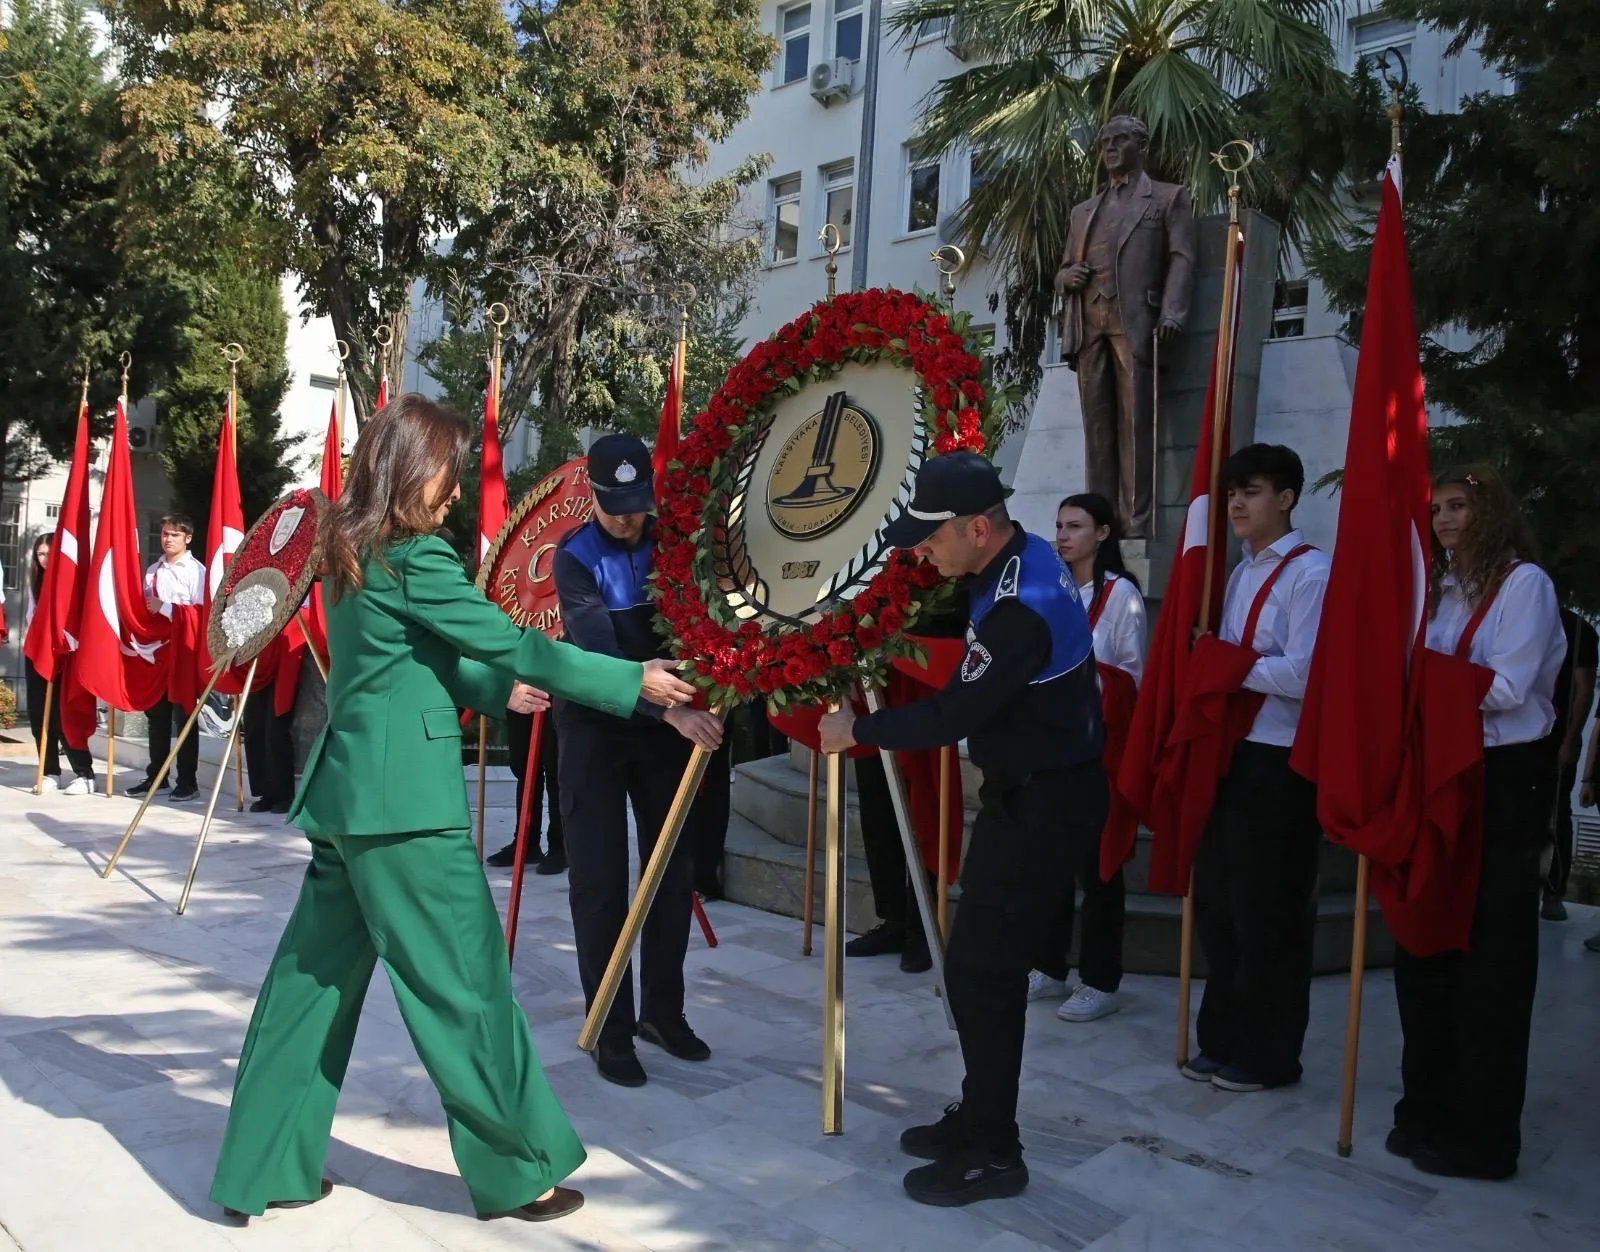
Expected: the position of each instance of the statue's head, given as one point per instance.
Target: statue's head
(1123, 143)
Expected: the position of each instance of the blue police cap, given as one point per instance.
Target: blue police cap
(622, 475)
(959, 484)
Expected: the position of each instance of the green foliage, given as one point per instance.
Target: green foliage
(71, 293)
(233, 302)
(1503, 223)
(1046, 74)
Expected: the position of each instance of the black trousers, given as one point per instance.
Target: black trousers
(1561, 862)
(162, 717)
(605, 766)
(1466, 1016)
(708, 819)
(1255, 898)
(1100, 943)
(50, 743)
(269, 748)
(1025, 840)
(880, 840)
(546, 779)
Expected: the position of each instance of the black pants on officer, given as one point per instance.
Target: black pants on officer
(606, 765)
(1100, 936)
(1027, 837)
(880, 841)
(269, 748)
(1255, 902)
(708, 820)
(161, 718)
(1466, 1016)
(546, 779)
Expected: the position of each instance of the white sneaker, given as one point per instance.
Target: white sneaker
(1088, 1003)
(49, 783)
(1043, 987)
(79, 786)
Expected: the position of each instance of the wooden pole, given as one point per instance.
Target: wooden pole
(1352, 1026)
(111, 748)
(519, 860)
(833, 950)
(483, 777)
(946, 756)
(238, 753)
(216, 786)
(810, 886)
(46, 737)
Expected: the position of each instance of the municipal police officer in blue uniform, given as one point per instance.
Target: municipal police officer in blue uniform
(602, 572)
(1027, 701)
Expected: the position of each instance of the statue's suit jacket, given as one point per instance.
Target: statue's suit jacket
(1155, 265)
(414, 643)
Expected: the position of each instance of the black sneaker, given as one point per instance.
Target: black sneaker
(881, 940)
(1444, 1165)
(507, 856)
(947, 1135)
(139, 789)
(675, 1038)
(1401, 1143)
(263, 805)
(967, 1176)
(915, 959)
(619, 1063)
(181, 794)
(553, 863)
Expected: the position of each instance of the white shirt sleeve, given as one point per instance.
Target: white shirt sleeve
(1524, 612)
(1286, 675)
(1128, 638)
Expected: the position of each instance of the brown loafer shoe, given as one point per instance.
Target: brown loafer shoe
(236, 1215)
(558, 1203)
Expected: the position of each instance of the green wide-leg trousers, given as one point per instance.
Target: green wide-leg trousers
(420, 904)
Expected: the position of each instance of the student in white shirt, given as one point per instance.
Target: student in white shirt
(1464, 1016)
(176, 579)
(1089, 542)
(1255, 872)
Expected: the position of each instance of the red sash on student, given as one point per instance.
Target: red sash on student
(1118, 693)
(1214, 715)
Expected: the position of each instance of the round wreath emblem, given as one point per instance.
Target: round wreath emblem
(958, 409)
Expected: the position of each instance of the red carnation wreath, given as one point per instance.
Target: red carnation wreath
(959, 409)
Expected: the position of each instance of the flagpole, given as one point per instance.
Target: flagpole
(234, 353)
(343, 349)
(1358, 934)
(495, 366)
(111, 710)
(48, 737)
(1222, 396)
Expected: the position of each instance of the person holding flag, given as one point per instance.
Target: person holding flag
(1494, 630)
(47, 736)
(176, 580)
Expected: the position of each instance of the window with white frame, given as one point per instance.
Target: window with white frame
(922, 190)
(1291, 298)
(1371, 37)
(932, 28)
(839, 198)
(847, 20)
(52, 511)
(785, 219)
(794, 38)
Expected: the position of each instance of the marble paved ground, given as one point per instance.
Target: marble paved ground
(120, 1024)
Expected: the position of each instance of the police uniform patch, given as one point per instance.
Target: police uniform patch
(1009, 578)
(974, 663)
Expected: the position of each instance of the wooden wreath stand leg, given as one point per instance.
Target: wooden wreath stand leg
(1185, 972)
(161, 774)
(238, 752)
(44, 739)
(1352, 1029)
(833, 949)
(810, 888)
(111, 752)
(649, 883)
(216, 786)
(913, 851)
(520, 858)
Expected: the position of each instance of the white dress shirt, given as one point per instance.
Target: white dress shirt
(176, 582)
(1120, 638)
(1521, 640)
(1286, 631)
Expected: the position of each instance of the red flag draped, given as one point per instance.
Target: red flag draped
(669, 431)
(494, 507)
(122, 657)
(1147, 779)
(1361, 735)
(224, 534)
(54, 630)
(313, 619)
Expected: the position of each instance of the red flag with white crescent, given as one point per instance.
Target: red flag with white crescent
(54, 629)
(493, 505)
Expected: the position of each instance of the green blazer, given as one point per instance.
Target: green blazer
(415, 642)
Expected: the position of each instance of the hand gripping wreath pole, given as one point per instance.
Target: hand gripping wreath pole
(649, 883)
(172, 755)
(908, 841)
(216, 786)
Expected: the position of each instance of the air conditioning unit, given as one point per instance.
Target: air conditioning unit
(832, 80)
(142, 427)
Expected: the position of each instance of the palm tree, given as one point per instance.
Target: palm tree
(1047, 74)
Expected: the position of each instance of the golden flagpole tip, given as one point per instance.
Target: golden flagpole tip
(498, 319)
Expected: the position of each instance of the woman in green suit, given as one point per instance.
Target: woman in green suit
(394, 873)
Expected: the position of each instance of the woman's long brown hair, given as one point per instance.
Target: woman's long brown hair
(386, 499)
(1495, 541)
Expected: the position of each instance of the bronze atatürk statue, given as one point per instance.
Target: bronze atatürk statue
(1127, 275)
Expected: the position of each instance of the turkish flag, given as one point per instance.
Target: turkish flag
(493, 505)
(1152, 778)
(122, 657)
(54, 630)
(1362, 727)
(224, 534)
(669, 431)
(313, 618)
(383, 394)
